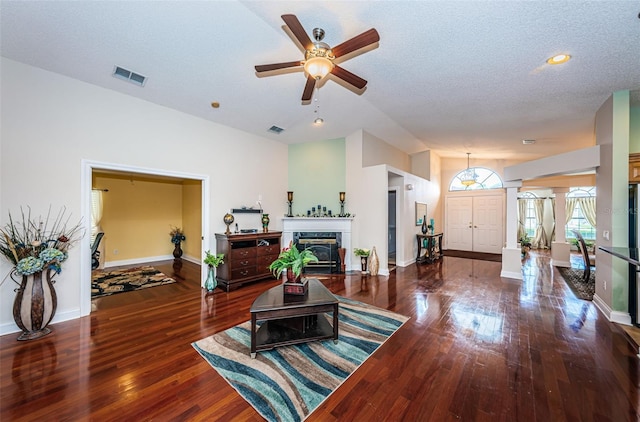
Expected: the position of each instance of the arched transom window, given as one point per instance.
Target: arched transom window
(485, 179)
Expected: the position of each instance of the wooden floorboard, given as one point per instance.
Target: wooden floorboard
(478, 347)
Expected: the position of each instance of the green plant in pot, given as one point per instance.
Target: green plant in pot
(212, 260)
(292, 261)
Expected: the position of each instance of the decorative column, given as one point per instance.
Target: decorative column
(511, 259)
(560, 249)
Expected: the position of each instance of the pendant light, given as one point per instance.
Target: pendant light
(469, 176)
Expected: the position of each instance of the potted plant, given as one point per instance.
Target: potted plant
(177, 237)
(292, 261)
(364, 257)
(36, 247)
(525, 244)
(212, 260)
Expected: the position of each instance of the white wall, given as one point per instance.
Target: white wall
(50, 123)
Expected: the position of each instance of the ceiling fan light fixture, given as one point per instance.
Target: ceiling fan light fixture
(318, 67)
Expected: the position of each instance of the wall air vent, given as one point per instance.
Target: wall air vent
(275, 129)
(127, 75)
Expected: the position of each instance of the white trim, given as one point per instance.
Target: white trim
(611, 315)
(11, 327)
(511, 274)
(87, 168)
(559, 263)
(143, 260)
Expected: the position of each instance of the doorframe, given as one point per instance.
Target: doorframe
(395, 190)
(86, 179)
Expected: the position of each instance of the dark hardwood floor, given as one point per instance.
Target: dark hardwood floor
(477, 348)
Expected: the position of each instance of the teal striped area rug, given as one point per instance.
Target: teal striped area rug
(288, 383)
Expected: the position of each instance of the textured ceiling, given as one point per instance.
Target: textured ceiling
(448, 76)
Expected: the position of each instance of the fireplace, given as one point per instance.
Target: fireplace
(325, 247)
(340, 226)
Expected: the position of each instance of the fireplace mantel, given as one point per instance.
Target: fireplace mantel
(342, 225)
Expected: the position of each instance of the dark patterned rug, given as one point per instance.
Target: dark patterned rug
(573, 278)
(105, 283)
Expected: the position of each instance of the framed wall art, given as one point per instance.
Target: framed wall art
(421, 212)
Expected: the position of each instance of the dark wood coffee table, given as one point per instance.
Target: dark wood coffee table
(290, 319)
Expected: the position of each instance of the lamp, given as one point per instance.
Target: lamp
(318, 67)
(469, 176)
(341, 204)
(289, 201)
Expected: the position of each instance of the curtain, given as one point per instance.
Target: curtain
(540, 239)
(570, 206)
(96, 213)
(588, 206)
(522, 217)
(553, 223)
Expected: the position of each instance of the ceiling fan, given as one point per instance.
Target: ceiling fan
(319, 58)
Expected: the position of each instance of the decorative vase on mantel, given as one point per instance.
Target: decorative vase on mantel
(177, 251)
(35, 304)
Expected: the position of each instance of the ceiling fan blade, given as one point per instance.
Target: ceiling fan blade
(356, 43)
(348, 77)
(276, 66)
(298, 31)
(308, 88)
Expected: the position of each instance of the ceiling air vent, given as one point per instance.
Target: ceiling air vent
(127, 75)
(275, 129)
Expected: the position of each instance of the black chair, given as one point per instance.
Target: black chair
(95, 253)
(589, 260)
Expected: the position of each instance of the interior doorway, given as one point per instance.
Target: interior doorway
(392, 230)
(88, 168)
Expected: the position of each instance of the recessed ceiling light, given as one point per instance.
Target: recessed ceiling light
(558, 59)
(318, 121)
(215, 104)
(528, 141)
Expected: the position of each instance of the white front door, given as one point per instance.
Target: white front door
(459, 229)
(488, 224)
(475, 223)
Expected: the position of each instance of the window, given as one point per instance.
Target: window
(486, 179)
(579, 220)
(530, 221)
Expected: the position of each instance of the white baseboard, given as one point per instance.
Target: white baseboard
(511, 274)
(11, 327)
(558, 263)
(613, 316)
(136, 261)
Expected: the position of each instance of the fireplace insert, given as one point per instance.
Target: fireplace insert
(325, 246)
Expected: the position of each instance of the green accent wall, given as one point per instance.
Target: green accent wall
(317, 173)
(619, 194)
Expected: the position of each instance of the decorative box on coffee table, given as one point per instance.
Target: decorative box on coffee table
(297, 289)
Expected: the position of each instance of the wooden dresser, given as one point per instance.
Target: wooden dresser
(246, 257)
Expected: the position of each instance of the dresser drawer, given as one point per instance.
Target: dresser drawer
(243, 273)
(269, 250)
(243, 262)
(242, 253)
(263, 262)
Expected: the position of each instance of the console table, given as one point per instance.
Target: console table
(246, 257)
(433, 248)
(290, 319)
